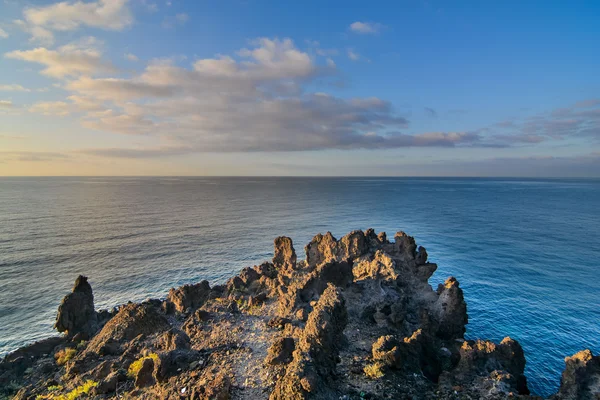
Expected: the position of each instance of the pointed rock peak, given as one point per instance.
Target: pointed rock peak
(284, 256)
(82, 285)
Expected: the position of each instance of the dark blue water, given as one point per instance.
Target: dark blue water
(526, 252)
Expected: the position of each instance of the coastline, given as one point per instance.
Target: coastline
(356, 317)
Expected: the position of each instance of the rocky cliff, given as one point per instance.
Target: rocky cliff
(356, 319)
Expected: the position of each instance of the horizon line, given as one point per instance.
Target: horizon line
(307, 176)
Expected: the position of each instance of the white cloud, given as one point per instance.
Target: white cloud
(59, 108)
(77, 58)
(38, 33)
(6, 104)
(354, 56)
(68, 16)
(13, 88)
(131, 57)
(3, 34)
(366, 28)
(255, 101)
(41, 22)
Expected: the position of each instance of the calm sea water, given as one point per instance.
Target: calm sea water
(526, 252)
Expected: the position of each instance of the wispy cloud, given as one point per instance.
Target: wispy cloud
(13, 88)
(131, 57)
(3, 34)
(41, 22)
(353, 55)
(366, 28)
(6, 104)
(77, 58)
(59, 108)
(32, 156)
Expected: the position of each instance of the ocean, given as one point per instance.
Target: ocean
(526, 251)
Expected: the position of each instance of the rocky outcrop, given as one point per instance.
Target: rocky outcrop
(488, 368)
(356, 319)
(315, 358)
(131, 322)
(325, 248)
(189, 297)
(581, 377)
(451, 310)
(76, 313)
(285, 255)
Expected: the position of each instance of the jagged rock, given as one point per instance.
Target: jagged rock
(381, 266)
(394, 322)
(76, 313)
(189, 296)
(451, 310)
(316, 356)
(109, 384)
(131, 321)
(213, 386)
(321, 248)
(313, 284)
(285, 255)
(407, 353)
(325, 248)
(235, 284)
(144, 376)
(193, 324)
(173, 339)
(171, 363)
(352, 245)
(581, 378)
(102, 370)
(421, 257)
(501, 367)
(267, 269)
(406, 246)
(257, 300)
(249, 275)
(387, 350)
(280, 351)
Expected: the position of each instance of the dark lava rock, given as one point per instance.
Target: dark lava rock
(280, 351)
(76, 313)
(451, 310)
(581, 377)
(131, 321)
(316, 356)
(285, 255)
(144, 376)
(173, 339)
(189, 296)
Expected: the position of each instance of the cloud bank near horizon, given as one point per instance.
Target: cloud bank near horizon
(270, 95)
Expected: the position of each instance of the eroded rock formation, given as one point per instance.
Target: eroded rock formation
(76, 313)
(356, 319)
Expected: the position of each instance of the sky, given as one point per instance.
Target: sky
(311, 88)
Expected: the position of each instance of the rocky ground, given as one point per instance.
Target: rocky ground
(356, 320)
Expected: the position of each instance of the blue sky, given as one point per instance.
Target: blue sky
(155, 87)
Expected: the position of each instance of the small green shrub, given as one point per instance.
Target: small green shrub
(72, 395)
(64, 355)
(135, 366)
(374, 371)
